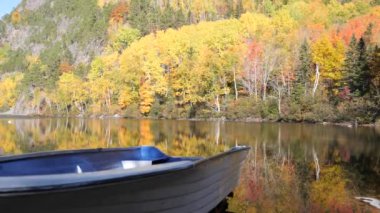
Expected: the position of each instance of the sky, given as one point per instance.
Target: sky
(6, 6)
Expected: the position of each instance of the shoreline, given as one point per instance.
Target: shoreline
(243, 120)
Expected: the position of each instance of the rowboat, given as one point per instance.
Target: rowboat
(137, 179)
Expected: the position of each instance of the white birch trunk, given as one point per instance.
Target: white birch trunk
(279, 101)
(316, 162)
(217, 132)
(255, 80)
(217, 103)
(316, 81)
(235, 86)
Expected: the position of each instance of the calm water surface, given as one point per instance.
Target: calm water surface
(280, 174)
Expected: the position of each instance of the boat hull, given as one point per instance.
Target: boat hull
(198, 188)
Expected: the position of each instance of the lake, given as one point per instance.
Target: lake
(291, 167)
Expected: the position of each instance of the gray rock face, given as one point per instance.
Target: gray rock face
(17, 37)
(63, 25)
(81, 54)
(26, 106)
(34, 4)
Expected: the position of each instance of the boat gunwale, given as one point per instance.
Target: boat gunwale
(47, 154)
(97, 183)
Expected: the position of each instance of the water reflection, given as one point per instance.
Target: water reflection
(291, 168)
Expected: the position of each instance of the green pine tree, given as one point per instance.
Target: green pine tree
(351, 64)
(167, 18)
(140, 16)
(356, 69)
(230, 8)
(364, 75)
(180, 18)
(303, 71)
(239, 9)
(375, 72)
(367, 36)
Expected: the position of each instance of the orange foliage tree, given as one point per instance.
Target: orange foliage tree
(119, 13)
(16, 17)
(65, 67)
(357, 27)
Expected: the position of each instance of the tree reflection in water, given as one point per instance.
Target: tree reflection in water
(279, 175)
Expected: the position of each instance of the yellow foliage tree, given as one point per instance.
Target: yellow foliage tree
(72, 90)
(103, 82)
(146, 136)
(8, 90)
(8, 138)
(102, 3)
(256, 25)
(329, 56)
(16, 17)
(330, 192)
(146, 97)
(189, 61)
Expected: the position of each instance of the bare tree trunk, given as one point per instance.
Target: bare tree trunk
(305, 153)
(255, 160)
(255, 80)
(265, 91)
(235, 86)
(108, 100)
(217, 103)
(250, 90)
(270, 64)
(316, 162)
(108, 134)
(265, 161)
(217, 132)
(316, 82)
(67, 123)
(279, 101)
(279, 141)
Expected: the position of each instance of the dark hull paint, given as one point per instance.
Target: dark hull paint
(196, 189)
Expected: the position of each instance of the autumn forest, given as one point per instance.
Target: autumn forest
(295, 60)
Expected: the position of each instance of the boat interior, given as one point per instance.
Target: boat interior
(85, 161)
